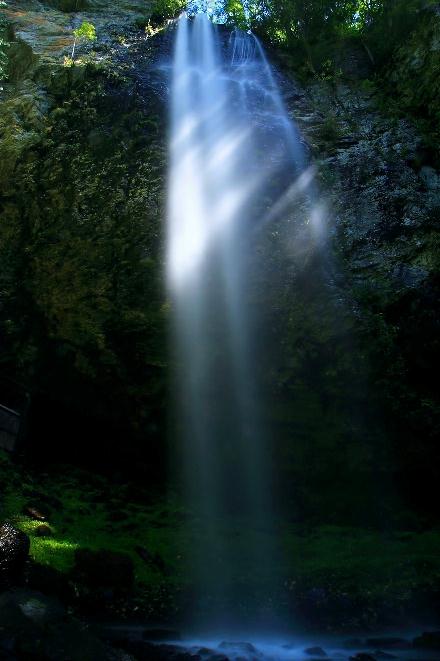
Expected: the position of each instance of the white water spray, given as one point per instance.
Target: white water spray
(236, 164)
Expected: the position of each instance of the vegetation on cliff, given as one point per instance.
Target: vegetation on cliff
(351, 385)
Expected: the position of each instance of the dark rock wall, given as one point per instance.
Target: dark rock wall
(349, 336)
(83, 313)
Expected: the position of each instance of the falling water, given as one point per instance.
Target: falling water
(236, 164)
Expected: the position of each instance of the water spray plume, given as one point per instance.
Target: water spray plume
(236, 165)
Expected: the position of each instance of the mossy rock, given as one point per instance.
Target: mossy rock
(21, 125)
(69, 5)
(21, 60)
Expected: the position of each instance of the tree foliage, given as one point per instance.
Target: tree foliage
(85, 32)
(305, 26)
(165, 9)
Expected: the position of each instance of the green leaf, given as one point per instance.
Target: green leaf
(86, 31)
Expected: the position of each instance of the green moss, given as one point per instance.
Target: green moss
(56, 551)
(89, 513)
(85, 518)
(375, 562)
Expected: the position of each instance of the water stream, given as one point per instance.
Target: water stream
(236, 164)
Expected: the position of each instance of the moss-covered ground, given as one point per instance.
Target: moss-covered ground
(87, 511)
(327, 561)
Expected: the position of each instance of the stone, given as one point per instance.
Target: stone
(43, 531)
(378, 654)
(104, 569)
(34, 605)
(68, 5)
(34, 513)
(429, 640)
(430, 177)
(16, 628)
(25, 617)
(34, 626)
(387, 642)
(71, 640)
(248, 648)
(161, 635)
(409, 276)
(44, 578)
(315, 651)
(353, 643)
(205, 651)
(145, 651)
(14, 550)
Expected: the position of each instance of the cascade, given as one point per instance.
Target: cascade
(236, 163)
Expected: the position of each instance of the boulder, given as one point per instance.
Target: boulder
(315, 651)
(161, 635)
(34, 513)
(353, 643)
(24, 616)
(14, 550)
(72, 640)
(388, 642)
(36, 607)
(68, 5)
(206, 651)
(44, 578)
(145, 651)
(34, 626)
(104, 569)
(17, 629)
(429, 640)
(43, 531)
(247, 648)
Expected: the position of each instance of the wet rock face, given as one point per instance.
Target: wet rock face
(383, 191)
(14, 549)
(21, 60)
(68, 5)
(115, 116)
(381, 286)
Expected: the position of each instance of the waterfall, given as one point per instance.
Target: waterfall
(236, 164)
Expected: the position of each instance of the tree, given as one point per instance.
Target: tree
(85, 32)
